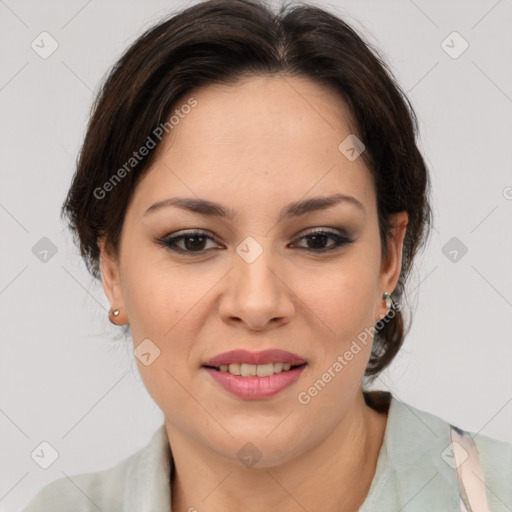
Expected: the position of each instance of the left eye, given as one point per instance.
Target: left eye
(319, 237)
(194, 241)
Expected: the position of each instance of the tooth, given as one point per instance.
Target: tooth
(252, 370)
(265, 370)
(278, 367)
(248, 370)
(234, 368)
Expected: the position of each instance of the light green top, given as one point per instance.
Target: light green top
(413, 473)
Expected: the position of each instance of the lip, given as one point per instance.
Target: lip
(262, 357)
(256, 388)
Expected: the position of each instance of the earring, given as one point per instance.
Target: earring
(389, 301)
(113, 313)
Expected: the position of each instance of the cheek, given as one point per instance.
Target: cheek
(155, 296)
(167, 304)
(160, 308)
(343, 305)
(342, 298)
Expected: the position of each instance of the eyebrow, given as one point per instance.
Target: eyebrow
(211, 208)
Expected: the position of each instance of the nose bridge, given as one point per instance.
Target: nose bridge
(256, 293)
(253, 275)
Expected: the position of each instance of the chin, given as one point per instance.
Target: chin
(258, 449)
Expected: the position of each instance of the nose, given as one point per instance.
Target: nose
(257, 294)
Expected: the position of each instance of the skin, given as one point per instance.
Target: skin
(255, 148)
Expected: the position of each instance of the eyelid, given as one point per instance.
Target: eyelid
(189, 232)
(325, 229)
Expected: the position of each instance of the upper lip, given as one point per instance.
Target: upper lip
(262, 357)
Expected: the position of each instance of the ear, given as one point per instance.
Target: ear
(391, 266)
(111, 280)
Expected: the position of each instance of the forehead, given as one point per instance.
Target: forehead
(263, 138)
(273, 110)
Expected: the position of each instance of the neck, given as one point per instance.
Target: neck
(334, 475)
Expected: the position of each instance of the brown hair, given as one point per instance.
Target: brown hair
(219, 42)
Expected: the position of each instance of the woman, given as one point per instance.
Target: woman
(251, 195)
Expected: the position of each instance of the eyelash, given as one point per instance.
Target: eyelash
(170, 243)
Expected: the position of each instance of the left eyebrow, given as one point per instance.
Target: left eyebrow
(296, 209)
(319, 203)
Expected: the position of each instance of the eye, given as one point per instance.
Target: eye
(319, 237)
(193, 242)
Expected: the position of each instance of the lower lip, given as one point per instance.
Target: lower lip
(255, 388)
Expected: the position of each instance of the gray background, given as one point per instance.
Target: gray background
(65, 381)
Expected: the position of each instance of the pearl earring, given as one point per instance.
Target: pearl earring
(113, 313)
(389, 301)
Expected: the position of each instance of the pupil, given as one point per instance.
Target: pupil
(194, 245)
(316, 238)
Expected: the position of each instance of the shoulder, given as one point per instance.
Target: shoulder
(419, 439)
(496, 461)
(109, 490)
(491, 451)
(102, 490)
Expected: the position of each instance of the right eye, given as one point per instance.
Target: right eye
(192, 242)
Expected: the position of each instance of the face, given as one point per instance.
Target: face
(261, 277)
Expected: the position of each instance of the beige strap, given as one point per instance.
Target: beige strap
(469, 470)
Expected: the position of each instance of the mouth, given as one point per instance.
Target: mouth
(255, 370)
(255, 382)
(255, 375)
